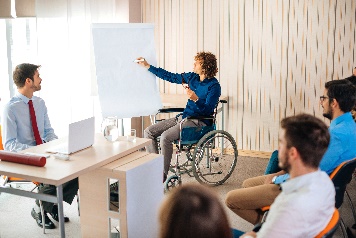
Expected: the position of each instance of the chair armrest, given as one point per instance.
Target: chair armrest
(170, 110)
(201, 117)
(257, 227)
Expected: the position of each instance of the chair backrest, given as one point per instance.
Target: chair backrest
(342, 176)
(327, 232)
(1, 146)
(12, 179)
(330, 229)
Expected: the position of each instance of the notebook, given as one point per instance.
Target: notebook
(80, 136)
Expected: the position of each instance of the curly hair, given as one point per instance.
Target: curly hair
(209, 64)
(22, 72)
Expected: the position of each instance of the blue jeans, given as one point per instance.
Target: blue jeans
(237, 233)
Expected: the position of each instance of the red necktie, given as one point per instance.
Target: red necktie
(36, 133)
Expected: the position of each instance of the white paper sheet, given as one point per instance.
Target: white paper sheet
(125, 88)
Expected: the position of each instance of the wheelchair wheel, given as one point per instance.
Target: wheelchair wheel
(172, 182)
(214, 158)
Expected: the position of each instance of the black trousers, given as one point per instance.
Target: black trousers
(70, 189)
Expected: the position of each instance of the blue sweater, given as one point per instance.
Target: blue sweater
(208, 91)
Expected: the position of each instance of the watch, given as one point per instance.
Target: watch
(274, 179)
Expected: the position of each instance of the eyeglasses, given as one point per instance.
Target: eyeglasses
(322, 98)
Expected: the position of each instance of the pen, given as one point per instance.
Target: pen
(140, 60)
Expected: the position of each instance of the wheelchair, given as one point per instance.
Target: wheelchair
(205, 153)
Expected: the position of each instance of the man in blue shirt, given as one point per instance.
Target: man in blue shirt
(18, 133)
(338, 99)
(203, 92)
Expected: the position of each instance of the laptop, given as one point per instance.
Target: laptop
(80, 136)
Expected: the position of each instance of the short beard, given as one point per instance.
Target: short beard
(286, 165)
(35, 89)
(327, 115)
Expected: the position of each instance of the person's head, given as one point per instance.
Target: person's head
(193, 211)
(27, 74)
(304, 136)
(205, 63)
(339, 95)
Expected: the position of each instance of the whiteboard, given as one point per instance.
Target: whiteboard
(125, 88)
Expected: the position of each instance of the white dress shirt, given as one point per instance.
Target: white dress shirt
(303, 209)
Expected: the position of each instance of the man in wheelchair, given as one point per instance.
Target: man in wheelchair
(203, 92)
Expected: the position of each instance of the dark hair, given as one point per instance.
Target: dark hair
(193, 211)
(22, 72)
(209, 64)
(309, 135)
(343, 92)
(352, 79)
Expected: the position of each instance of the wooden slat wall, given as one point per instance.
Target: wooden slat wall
(274, 56)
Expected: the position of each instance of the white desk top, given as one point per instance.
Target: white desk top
(57, 172)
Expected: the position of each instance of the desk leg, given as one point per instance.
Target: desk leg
(60, 210)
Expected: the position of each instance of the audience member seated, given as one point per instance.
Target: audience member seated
(338, 99)
(272, 166)
(352, 79)
(25, 123)
(307, 200)
(193, 211)
(203, 92)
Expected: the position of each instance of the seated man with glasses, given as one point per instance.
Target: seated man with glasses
(337, 101)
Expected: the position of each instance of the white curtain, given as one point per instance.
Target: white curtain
(59, 39)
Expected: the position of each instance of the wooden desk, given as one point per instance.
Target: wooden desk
(134, 214)
(57, 172)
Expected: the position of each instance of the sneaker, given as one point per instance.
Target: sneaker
(38, 217)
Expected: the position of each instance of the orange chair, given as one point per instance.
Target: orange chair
(1, 146)
(341, 177)
(12, 180)
(7, 181)
(327, 232)
(330, 229)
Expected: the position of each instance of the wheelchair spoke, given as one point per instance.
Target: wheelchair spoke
(216, 158)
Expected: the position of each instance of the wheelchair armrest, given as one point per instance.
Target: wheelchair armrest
(257, 227)
(169, 110)
(201, 117)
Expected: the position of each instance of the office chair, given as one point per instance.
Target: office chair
(1, 146)
(341, 177)
(8, 181)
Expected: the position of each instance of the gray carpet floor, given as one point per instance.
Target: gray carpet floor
(16, 220)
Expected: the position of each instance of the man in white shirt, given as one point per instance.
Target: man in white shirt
(306, 203)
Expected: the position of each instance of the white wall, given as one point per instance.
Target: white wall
(274, 56)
